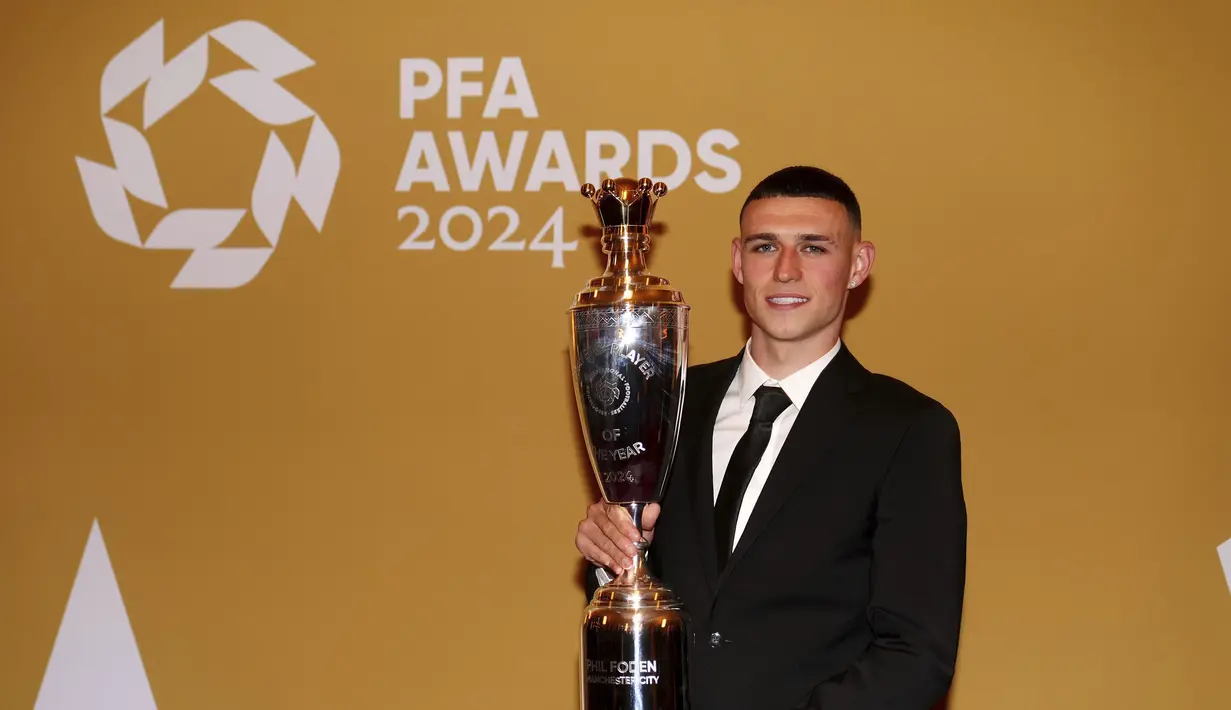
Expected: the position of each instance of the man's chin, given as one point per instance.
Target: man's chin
(783, 332)
(788, 330)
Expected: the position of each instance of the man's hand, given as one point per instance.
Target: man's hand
(607, 536)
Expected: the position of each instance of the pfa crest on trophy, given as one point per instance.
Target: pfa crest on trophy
(629, 355)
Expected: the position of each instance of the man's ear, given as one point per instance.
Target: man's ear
(861, 265)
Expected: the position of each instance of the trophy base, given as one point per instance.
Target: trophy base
(634, 641)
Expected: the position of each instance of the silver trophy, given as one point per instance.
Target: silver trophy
(629, 356)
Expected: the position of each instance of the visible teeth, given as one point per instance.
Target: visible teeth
(784, 301)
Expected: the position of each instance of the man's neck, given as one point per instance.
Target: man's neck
(781, 359)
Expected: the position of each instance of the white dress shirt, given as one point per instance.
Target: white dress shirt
(735, 413)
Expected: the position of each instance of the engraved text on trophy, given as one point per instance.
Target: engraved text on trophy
(629, 374)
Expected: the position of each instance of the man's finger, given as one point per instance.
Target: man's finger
(587, 534)
(650, 517)
(594, 555)
(624, 522)
(617, 558)
(617, 535)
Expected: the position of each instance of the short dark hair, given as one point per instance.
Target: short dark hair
(807, 181)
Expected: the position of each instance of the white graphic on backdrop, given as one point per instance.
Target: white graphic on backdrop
(1224, 554)
(277, 184)
(95, 664)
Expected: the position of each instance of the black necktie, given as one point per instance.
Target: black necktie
(771, 401)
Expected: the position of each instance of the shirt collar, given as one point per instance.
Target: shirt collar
(797, 385)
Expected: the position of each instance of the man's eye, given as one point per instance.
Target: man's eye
(763, 247)
(814, 249)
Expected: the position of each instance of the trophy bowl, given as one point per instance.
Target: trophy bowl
(629, 354)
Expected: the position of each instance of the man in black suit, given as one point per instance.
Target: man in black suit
(814, 524)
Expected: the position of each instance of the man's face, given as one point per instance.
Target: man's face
(796, 258)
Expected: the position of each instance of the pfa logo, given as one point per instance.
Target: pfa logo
(201, 231)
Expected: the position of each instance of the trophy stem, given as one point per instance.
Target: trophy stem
(636, 511)
(639, 574)
(625, 251)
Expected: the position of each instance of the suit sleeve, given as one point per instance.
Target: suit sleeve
(918, 578)
(595, 577)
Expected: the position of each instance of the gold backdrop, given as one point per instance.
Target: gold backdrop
(353, 479)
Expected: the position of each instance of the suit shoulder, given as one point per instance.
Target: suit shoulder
(709, 370)
(904, 398)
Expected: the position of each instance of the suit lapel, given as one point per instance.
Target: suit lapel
(702, 468)
(817, 429)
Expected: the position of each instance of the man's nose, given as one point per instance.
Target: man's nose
(787, 267)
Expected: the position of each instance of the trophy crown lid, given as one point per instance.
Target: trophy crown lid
(625, 204)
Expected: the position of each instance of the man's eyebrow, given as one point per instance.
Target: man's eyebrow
(771, 237)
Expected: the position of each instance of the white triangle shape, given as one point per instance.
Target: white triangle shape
(1224, 554)
(95, 664)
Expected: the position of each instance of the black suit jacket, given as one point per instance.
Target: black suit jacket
(845, 589)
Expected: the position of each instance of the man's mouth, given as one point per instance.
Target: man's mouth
(787, 300)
